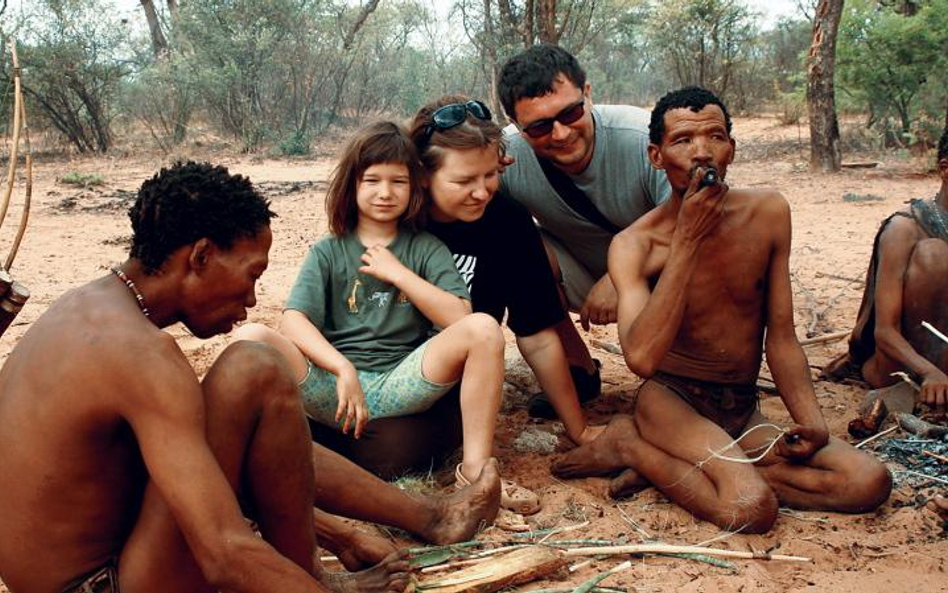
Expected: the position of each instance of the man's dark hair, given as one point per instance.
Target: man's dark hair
(531, 74)
(190, 201)
(943, 145)
(694, 98)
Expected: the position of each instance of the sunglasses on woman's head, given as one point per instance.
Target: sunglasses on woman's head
(449, 116)
(571, 114)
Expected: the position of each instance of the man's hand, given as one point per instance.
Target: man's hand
(505, 161)
(800, 443)
(380, 263)
(935, 390)
(600, 305)
(702, 208)
(351, 403)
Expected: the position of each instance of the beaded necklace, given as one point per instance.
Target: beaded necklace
(134, 289)
(937, 209)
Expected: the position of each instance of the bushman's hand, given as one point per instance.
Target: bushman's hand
(702, 208)
(935, 390)
(800, 443)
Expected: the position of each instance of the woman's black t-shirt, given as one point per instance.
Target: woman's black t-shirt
(502, 260)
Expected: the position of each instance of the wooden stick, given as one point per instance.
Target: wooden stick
(669, 549)
(15, 145)
(877, 436)
(919, 474)
(825, 338)
(940, 458)
(935, 331)
(28, 197)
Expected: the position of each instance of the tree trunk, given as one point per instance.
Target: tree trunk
(546, 22)
(159, 44)
(825, 153)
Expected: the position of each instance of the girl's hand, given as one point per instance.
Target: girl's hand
(351, 403)
(380, 263)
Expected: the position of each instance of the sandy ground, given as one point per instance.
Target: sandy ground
(76, 233)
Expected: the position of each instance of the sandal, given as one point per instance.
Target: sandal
(513, 497)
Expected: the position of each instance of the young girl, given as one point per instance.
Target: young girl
(357, 322)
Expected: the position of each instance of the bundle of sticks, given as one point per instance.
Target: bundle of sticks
(486, 566)
(14, 295)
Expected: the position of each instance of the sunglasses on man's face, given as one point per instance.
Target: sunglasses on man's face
(449, 116)
(571, 114)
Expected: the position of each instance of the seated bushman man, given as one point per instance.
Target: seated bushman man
(119, 468)
(907, 283)
(703, 284)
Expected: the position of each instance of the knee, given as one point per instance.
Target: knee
(753, 509)
(251, 369)
(864, 487)
(484, 331)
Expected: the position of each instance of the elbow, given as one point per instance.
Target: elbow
(643, 366)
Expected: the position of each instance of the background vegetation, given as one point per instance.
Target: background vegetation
(277, 74)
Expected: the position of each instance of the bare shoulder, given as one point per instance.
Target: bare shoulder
(900, 230)
(762, 202)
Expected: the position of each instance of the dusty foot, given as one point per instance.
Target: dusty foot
(365, 550)
(939, 504)
(458, 516)
(627, 483)
(601, 457)
(388, 576)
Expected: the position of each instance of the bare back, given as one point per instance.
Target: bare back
(72, 476)
(720, 336)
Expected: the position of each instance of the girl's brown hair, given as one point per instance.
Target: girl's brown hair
(473, 133)
(373, 144)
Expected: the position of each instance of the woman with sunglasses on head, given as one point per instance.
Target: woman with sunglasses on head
(495, 244)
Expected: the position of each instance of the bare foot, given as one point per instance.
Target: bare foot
(458, 516)
(627, 483)
(388, 576)
(939, 504)
(365, 550)
(601, 457)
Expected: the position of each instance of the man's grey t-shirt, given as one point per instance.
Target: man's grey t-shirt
(619, 180)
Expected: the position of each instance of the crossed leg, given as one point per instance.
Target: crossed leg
(672, 446)
(256, 430)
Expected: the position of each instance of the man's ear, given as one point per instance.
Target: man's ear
(943, 169)
(200, 255)
(655, 156)
(587, 91)
(733, 150)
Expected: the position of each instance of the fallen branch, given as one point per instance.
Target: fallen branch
(670, 549)
(940, 458)
(825, 338)
(607, 346)
(919, 427)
